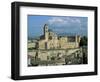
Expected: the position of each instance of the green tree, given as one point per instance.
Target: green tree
(83, 41)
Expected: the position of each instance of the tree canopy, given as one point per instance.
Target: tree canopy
(83, 41)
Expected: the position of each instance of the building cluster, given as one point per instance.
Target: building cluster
(53, 49)
(50, 40)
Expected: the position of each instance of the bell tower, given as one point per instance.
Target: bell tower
(46, 32)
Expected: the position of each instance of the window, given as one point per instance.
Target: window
(46, 45)
(50, 37)
(71, 39)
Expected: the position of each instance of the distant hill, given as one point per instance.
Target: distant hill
(59, 34)
(34, 38)
(66, 34)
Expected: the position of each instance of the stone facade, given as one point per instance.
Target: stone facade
(50, 40)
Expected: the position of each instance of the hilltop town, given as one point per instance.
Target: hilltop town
(53, 49)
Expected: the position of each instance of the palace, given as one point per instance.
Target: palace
(54, 49)
(50, 40)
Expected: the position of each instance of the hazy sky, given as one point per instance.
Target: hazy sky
(59, 24)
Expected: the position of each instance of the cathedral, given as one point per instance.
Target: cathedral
(50, 40)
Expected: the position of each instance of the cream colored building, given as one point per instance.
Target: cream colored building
(50, 40)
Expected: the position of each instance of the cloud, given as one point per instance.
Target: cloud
(68, 24)
(56, 20)
(64, 21)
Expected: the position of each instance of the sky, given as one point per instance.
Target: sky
(59, 24)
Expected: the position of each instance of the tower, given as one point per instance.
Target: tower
(77, 40)
(46, 32)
